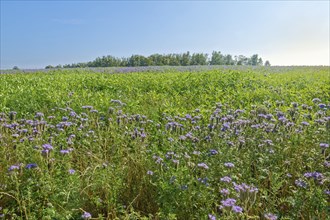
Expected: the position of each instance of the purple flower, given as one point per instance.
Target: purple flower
(316, 100)
(327, 164)
(203, 165)
(269, 142)
(245, 188)
(45, 152)
(86, 215)
(213, 152)
(39, 115)
(64, 152)
(72, 171)
(182, 137)
(31, 166)
(149, 172)
(13, 167)
(324, 145)
(270, 216)
(117, 102)
(175, 161)
(225, 179)
(224, 192)
(315, 175)
(225, 126)
(239, 111)
(237, 209)
(294, 104)
(229, 165)
(228, 202)
(301, 183)
(305, 123)
(87, 107)
(72, 114)
(327, 192)
(322, 105)
(47, 147)
(15, 135)
(211, 217)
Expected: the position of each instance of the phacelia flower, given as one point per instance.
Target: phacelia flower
(31, 166)
(47, 147)
(13, 167)
(327, 164)
(213, 152)
(86, 215)
(229, 165)
(64, 152)
(224, 192)
(270, 216)
(228, 202)
(225, 179)
(301, 183)
(305, 123)
(314, 175)
(203, 165)
(322, 105)
(237, 209)
(324, 145)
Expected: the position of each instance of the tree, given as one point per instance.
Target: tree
(185, 59)
(49, 67)
(216, 58)
(137, 60)
(254, 60)
(15, 68)
(198, 59)
(228, 60)
(242, 60)
(175, 59)
(267, 63)
(156, 59)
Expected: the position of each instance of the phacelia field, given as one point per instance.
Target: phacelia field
(249, 143)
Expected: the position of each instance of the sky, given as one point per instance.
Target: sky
(35, 34)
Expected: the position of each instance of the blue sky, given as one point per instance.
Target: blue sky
(38, 33)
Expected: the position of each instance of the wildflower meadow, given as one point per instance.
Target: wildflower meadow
(220, 143)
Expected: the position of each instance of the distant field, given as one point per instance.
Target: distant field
(185, 143)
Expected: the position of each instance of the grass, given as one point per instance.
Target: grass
(162, 151)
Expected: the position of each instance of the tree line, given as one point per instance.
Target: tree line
(182, 59)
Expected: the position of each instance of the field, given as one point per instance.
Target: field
(247, 143)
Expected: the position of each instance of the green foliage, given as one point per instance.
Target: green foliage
(141, 157)
(184, 59)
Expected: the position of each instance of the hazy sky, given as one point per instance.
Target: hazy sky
(36, 33)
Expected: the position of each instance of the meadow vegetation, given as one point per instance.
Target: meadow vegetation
(211, 144)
